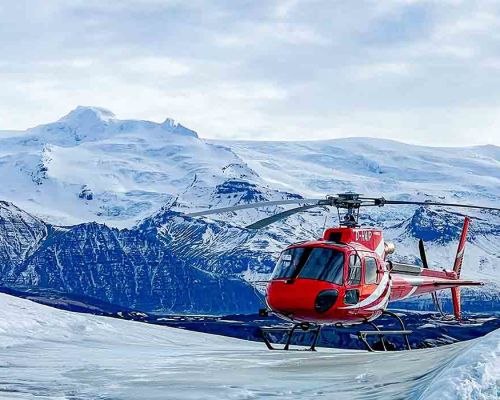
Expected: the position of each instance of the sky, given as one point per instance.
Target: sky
(423, 72)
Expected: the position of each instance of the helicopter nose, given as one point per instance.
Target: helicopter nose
(325, 300)
(302, 298)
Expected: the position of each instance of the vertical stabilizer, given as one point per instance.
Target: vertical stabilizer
(457, 268)
(457, 306)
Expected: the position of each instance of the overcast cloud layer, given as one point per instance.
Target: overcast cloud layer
(416, 71)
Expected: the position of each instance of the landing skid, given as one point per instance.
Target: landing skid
(303, 326)
(316, 329)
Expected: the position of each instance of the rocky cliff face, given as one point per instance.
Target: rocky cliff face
(137, 268)
(20, 235)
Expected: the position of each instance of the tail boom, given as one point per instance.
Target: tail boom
(411, 280)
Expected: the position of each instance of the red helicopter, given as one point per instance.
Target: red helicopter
(345, 278)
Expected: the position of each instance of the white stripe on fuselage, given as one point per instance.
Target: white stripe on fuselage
(375, 294)
(413, 290)
(380, 248)
(384, 301)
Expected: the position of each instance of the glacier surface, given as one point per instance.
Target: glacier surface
(54, 354)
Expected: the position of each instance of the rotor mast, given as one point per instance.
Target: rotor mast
(350, 202)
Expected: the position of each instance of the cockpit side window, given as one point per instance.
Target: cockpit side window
(288, 263)
(354, 273)
(370, 270)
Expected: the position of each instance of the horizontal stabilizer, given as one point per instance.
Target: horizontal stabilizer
(437, 281)
(457, 283)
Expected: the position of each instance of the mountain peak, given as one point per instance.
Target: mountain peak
(172, 126)
(84, 115)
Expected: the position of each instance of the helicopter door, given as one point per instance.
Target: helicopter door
(353, 281)
(370, 277)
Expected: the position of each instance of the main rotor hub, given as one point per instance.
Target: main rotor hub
(351, 202)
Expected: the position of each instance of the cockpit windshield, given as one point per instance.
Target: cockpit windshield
(311, 262)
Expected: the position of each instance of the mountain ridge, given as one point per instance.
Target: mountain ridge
(135, 179)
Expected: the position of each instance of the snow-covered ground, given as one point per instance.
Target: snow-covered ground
(52, 354)
(475, 374)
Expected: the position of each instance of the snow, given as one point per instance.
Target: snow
(473, 375)
(372, 167)
(85, 115)
(53, 354)
(134, 168)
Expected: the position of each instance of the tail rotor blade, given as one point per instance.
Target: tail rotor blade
(423, 256)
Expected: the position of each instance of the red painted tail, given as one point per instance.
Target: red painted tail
(457, 268)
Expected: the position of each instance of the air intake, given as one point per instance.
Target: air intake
(389, 248)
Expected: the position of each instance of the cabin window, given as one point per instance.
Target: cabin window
(354, 275)
(351, 296)
(370, 270)
(311, 263)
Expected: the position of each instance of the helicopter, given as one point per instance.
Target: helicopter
(345, 277)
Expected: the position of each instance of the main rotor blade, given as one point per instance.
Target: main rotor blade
(253, 205)
(272, 219)
(423, 256)
(433, 203)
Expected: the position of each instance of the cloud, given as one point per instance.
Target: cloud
(417, 71)
(383, 70)
(155, 66)
(265, 34)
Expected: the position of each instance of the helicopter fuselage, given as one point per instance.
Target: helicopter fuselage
(344, 278)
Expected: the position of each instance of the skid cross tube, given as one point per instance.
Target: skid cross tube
(290, 332)
(363, 334)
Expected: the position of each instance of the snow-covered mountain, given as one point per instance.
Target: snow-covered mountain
(147, 268)
(90, 165)
(92, 206)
